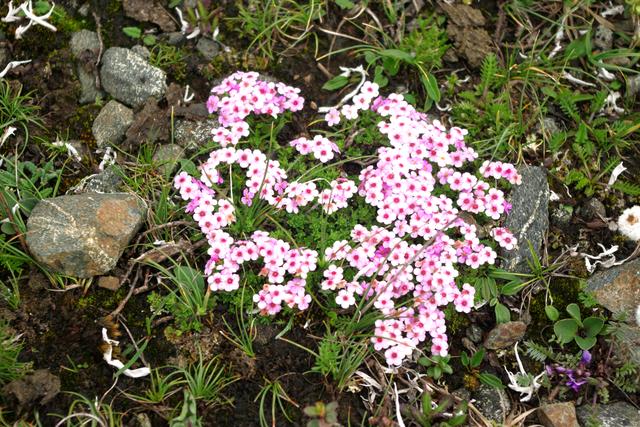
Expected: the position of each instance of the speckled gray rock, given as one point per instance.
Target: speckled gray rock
(493, 403)
(619, 414)
(603, 38)
(190, 134)
(85, 46)
(529, 218)
(112, 123)
(558, 415)
(627, 347)
(208, 48)
(618, 288)
(83, 235)
(129, 78)
(107, 181)
(633, 86)
(167, 157)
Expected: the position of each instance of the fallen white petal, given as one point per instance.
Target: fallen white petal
(576, 80)
(615, 174)
(606, 75)
(399, 419)
(613, 10)
(107, 356)
(346, 72)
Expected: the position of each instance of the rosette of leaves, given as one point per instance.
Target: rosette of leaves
(583, 332)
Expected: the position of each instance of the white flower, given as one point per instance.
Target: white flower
(629, 223)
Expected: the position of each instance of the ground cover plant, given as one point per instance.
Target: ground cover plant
(339, 213)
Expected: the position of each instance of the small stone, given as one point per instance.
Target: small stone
(129, 78)
(38, 388)
(616, 414)
(107, 181)
(190, 134)
(208, 48)
(175, 38)
(493, 403)
(88, 90)
(83, 235)
(558, 415)
(474, 333)
(505, 335)
(84, 40)
(167, 157)
(618, 288)
(112, 123)
(529, 217)
(84, 9)
(5, 57)
(593, 209)
(109, 282)
(149, 11)
(603, 38)
(548, 127)
(561, 215)
(143, 420)
(627, 347)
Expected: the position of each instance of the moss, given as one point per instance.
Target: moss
(66, 23)
(563, 292)
(455, 321)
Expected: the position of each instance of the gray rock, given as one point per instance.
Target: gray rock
(84, 9)
(561, 215)
(603, 38)
(548, 127)
(474, 333)
(190, 134)
(83, 235)
(627, 346)
(175, 38)
(208, 48)
(110, 283)
(129, 78)
(616, 414)
(593, 209)
(529, 218)
(493, 403)
(85, 46)
(107, 181)
(167, 157)
(505, 335)
(112, 123)
(618, 288)
(558, 415)
(84, 40)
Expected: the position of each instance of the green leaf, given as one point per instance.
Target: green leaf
(502, 313)
(512, 287)
(585, 343)
(391, 65)
(565, 330)
(477, 357)
(397, 54)
(379, 78)
(149, 40)
(345, 4)
(370, 57)
(490, 380)
(464, 359)
(133, 32)
(431, 86)
(574, 311)
(593, 326)
(552, 312)
(8, 228)
(336, 83)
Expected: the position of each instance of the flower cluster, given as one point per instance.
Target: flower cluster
(406, 267)
(242, 94)
(573, 378)
(320, 146)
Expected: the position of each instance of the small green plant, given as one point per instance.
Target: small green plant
(246, 330)
(161, 388)
(188, 414)
(339, 356)
(17, 109)
(278, 398)
(431, 413)
(10, 347)
(583, 332)
(436, 366)
(323, 415)
(85, 410)
(207, 380)
(171, 59)
(136, 33)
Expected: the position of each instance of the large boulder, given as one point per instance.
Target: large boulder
(616, 414)
(129, 78)
(83, 235)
